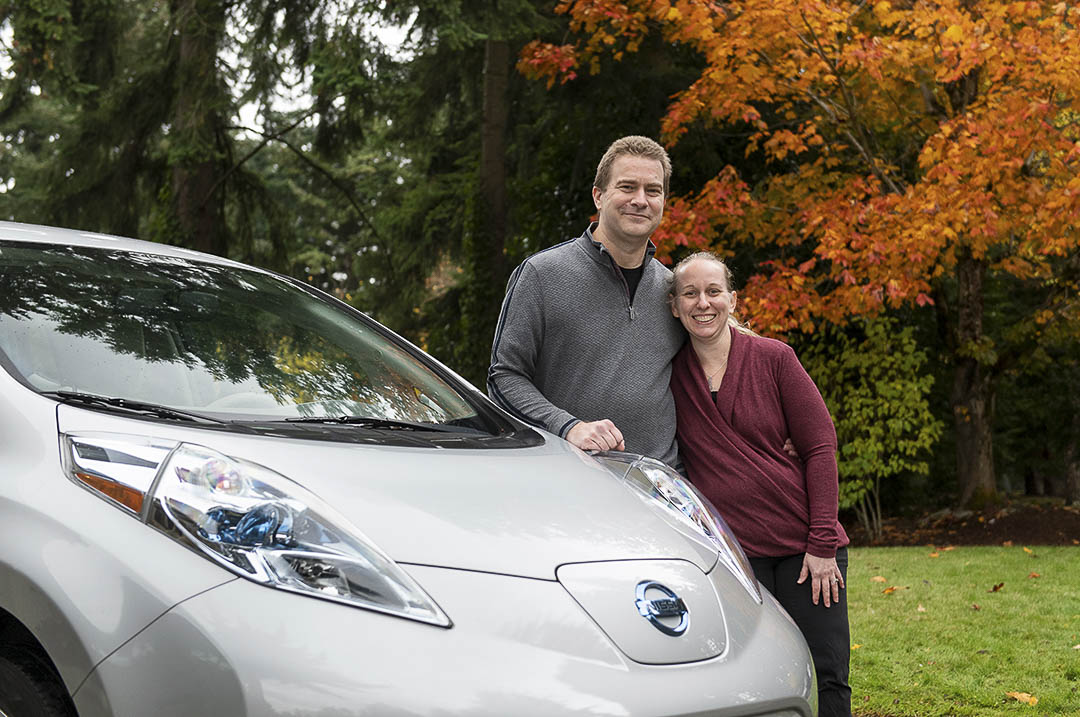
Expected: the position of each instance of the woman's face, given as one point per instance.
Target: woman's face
(702, 299)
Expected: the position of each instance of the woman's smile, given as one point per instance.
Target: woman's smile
(702, 299)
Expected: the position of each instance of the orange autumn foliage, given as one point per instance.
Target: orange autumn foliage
(903, 137)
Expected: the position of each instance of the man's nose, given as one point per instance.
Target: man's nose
(639, 196)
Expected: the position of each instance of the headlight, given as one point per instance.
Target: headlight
(250, 520)
(660, 483)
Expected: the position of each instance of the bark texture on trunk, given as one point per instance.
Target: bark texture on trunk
(197, 202)
(485, 233)
(973, 390)
(1072, 455)
(493, 149)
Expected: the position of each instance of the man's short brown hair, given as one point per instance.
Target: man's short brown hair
(634, 145)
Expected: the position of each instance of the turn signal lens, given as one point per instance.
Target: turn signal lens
(117, 467)
(122, 494)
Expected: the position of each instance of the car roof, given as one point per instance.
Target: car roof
(57, 236)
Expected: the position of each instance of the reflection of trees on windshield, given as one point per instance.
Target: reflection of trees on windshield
(232, 324)
(322, 372)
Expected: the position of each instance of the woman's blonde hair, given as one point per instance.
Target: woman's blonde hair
(729, 280)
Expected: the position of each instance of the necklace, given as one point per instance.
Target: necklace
(709, 379)
(725, 346)
(723, 364)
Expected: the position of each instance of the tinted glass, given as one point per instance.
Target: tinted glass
(198, 336)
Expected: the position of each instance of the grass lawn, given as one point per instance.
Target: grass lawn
(946, 642)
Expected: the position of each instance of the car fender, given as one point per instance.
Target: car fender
(75, 571)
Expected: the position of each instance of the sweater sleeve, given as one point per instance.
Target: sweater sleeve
(814, 437)
(519, 336)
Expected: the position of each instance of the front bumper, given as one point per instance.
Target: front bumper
(518, 646)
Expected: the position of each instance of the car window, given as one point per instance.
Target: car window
(194, 335)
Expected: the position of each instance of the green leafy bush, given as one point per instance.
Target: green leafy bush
(870, 374)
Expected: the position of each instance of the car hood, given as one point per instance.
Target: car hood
(516, 511)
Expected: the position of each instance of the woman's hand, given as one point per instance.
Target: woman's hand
(825, 578)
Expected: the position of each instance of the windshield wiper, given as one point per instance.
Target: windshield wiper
(127, 404)
(369, 422)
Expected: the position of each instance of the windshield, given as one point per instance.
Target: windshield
(214, 339)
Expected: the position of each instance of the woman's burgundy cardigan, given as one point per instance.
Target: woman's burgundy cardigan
(732, 448)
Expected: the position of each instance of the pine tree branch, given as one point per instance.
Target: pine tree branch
(267, 139)
(279, 136)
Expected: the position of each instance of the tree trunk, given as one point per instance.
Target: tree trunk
(493, 149)
(868, 510)
(1072, 474)
(1034, 482)
(1072, 455)
(485, 235)
(196, 156)
(973, 390)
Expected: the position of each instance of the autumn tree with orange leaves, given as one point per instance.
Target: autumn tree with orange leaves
(917, 151)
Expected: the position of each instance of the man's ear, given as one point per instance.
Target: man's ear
(596, 196)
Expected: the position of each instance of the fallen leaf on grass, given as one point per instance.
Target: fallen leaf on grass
(1024, 697)
(975, 606)
(878, 579)
(1076, 647)
(1028, 550)
(996, 588)
(893, 588)
(947, 548)
(935, 554)
(1034, 575)
(920, 608)
(856, 646)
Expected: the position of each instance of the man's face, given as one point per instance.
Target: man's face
(632, 204)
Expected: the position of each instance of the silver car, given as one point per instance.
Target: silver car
(225, 493)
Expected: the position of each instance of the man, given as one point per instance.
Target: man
(585, 338)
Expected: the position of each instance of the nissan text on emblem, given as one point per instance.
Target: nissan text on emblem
(662, 607)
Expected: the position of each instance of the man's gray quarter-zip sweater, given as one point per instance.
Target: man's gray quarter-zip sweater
(571, 345)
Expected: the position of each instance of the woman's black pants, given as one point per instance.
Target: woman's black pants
(825, 628)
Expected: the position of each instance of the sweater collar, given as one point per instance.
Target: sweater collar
(599, 252)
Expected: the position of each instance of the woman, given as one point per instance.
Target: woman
(738, 396)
